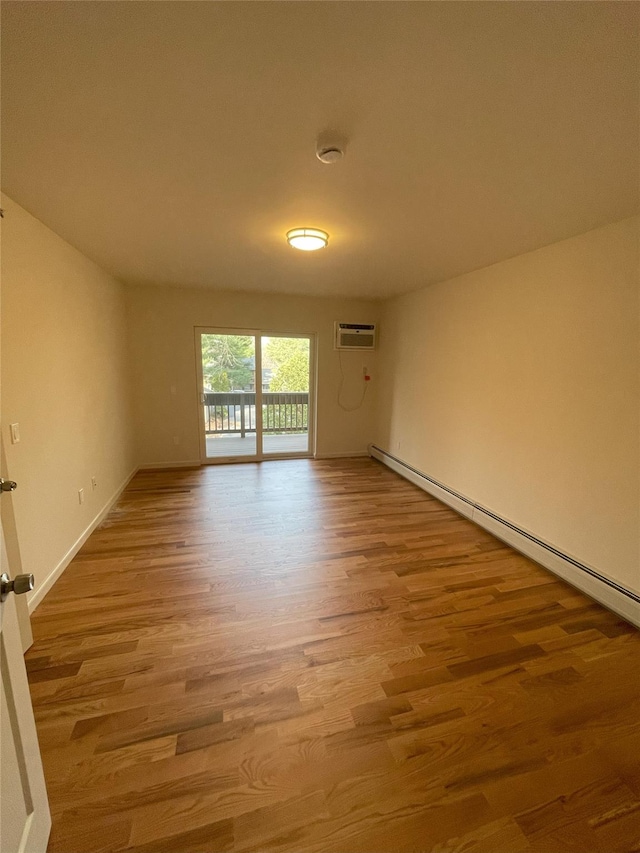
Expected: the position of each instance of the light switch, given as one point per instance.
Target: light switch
(15, 433)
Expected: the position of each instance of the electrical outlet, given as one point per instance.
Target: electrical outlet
(94, 483)
(80, 496)
(15, 433)
(176, 439)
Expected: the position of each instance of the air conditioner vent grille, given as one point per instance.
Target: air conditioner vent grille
(355, 335)
(355, 340)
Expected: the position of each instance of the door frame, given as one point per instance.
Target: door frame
(257, 334)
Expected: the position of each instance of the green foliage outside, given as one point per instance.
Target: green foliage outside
(228, 365)
(227, 362)
(289, 359)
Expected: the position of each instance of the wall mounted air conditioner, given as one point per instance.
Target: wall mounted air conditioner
(355, 336)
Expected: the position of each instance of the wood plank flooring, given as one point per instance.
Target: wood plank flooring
(319, 657)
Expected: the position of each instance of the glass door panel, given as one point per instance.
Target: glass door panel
(286, 413)
(228, 395)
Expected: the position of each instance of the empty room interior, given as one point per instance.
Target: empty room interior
(320, 385)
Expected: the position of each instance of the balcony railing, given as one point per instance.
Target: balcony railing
(235, 412)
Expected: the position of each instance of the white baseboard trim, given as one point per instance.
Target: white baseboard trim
(160, 466)
(458, 502)
(594, 583)
(345, 454)
(43, 589)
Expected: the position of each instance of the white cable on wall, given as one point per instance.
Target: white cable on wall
(341, 386)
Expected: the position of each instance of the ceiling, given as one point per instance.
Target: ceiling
(174, 142)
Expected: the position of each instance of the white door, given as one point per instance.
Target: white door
(25, 820)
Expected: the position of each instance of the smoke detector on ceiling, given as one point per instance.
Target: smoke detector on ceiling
(329, 153)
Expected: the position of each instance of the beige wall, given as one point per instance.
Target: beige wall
(65, 381)
(518, 386)
(161, 328)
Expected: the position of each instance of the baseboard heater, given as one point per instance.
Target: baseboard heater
(607, 592)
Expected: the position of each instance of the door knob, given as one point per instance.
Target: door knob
(8, 485)
(20, 584)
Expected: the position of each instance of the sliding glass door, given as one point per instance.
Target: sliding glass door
(230, 407)
(255, 394)
(286, 385)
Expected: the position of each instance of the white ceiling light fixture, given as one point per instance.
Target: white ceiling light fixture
(307, 239)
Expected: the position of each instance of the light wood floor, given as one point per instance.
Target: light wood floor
(317, 656)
